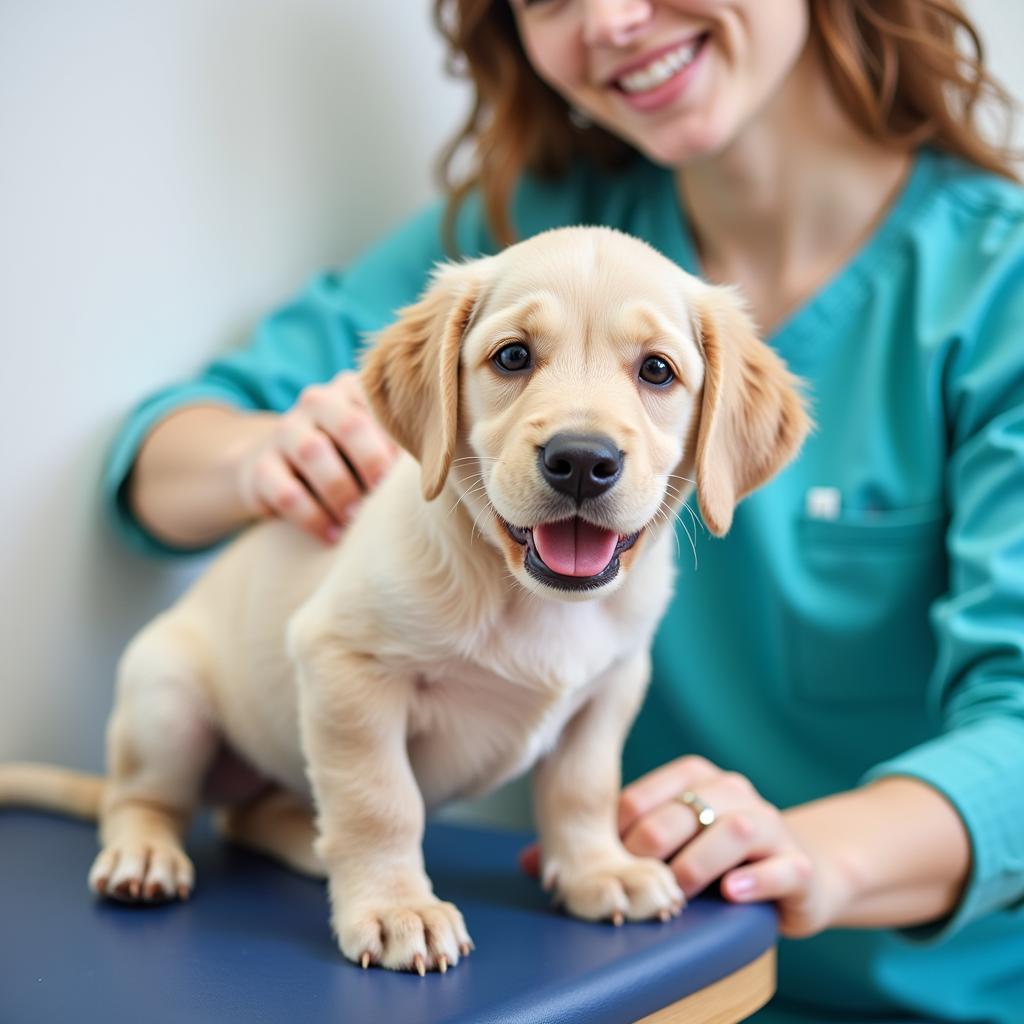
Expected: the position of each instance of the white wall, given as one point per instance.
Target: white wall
(169, 169)
(1001, 25)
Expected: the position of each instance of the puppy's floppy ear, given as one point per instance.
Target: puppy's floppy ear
(752, 419)
(411, 374)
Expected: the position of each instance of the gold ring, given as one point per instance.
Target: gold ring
(705, 814)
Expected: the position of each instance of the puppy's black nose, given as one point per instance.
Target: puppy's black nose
(581, 465)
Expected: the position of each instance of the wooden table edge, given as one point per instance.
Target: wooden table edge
(732, 998)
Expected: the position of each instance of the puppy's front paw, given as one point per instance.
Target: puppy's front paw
(428, 935)
(619, 888)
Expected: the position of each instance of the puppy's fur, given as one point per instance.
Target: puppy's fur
(433, 654)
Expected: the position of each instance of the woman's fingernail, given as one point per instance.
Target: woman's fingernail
(332, 533)
(351, 510)
(740, 885)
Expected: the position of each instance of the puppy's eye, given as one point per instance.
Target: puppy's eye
(512, 358)
(655, 370)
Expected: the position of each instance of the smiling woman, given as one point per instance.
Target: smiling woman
(899, 70)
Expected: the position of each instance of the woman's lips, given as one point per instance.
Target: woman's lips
(666, 92)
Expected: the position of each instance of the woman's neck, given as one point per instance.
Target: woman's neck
(792, 198)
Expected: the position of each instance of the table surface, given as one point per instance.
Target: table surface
(253, 944)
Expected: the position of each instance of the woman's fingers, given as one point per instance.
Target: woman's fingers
(661, 832)
(658, 824)
(340, 410)
(773, 878)
(750, 833)
(316, 459)
(662, 785)
(279, 491)
(365, 446)
(323, 455)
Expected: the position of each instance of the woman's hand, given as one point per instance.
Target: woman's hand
(318, 461)
(752, 846)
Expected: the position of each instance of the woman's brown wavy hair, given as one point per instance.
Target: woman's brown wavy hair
(908, 72)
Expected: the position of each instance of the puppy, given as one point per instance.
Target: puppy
(490, 609)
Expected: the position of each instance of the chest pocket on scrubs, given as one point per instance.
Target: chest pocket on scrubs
(858, 625)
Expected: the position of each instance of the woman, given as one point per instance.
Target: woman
(844, 673)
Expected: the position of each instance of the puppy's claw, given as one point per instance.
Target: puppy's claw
(442, 964)
(664, 915)
(364, 960)
(464, 948)
(421, 967)
(618, 919)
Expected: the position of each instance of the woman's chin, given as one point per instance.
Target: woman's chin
(674, 147)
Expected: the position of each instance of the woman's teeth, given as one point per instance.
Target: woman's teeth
(658, 72)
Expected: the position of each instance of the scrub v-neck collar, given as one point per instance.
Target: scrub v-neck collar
(839, 295)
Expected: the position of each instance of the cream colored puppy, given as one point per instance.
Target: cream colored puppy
(491, 608)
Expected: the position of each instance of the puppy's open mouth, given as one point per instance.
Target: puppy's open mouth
(571, 554)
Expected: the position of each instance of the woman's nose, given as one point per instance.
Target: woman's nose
(614, 22)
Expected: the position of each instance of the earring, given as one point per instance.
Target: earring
(579, 120)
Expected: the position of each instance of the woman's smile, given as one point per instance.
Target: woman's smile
(677, 79)
(658, 80)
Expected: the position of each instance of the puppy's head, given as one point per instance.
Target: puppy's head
(569, 391)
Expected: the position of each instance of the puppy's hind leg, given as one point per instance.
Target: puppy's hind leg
(279, 824)
(160, 741)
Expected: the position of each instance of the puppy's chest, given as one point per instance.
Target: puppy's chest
(480, 719)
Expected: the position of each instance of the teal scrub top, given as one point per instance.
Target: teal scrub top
(865, 614)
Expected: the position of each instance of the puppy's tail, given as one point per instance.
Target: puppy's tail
(48, 788)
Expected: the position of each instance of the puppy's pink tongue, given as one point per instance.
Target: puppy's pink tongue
(574, 547)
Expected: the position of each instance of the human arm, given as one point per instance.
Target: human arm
(183, 485)
(205, 471)
(180, 450)
(904, 850)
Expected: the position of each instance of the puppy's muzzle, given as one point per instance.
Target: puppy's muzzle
(580, 465)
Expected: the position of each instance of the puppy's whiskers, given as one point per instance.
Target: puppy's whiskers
(676, 493)
(661, 515)
(479, 487)
(489, 507)
(696, 522)
(664, 512)
(475, 458)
